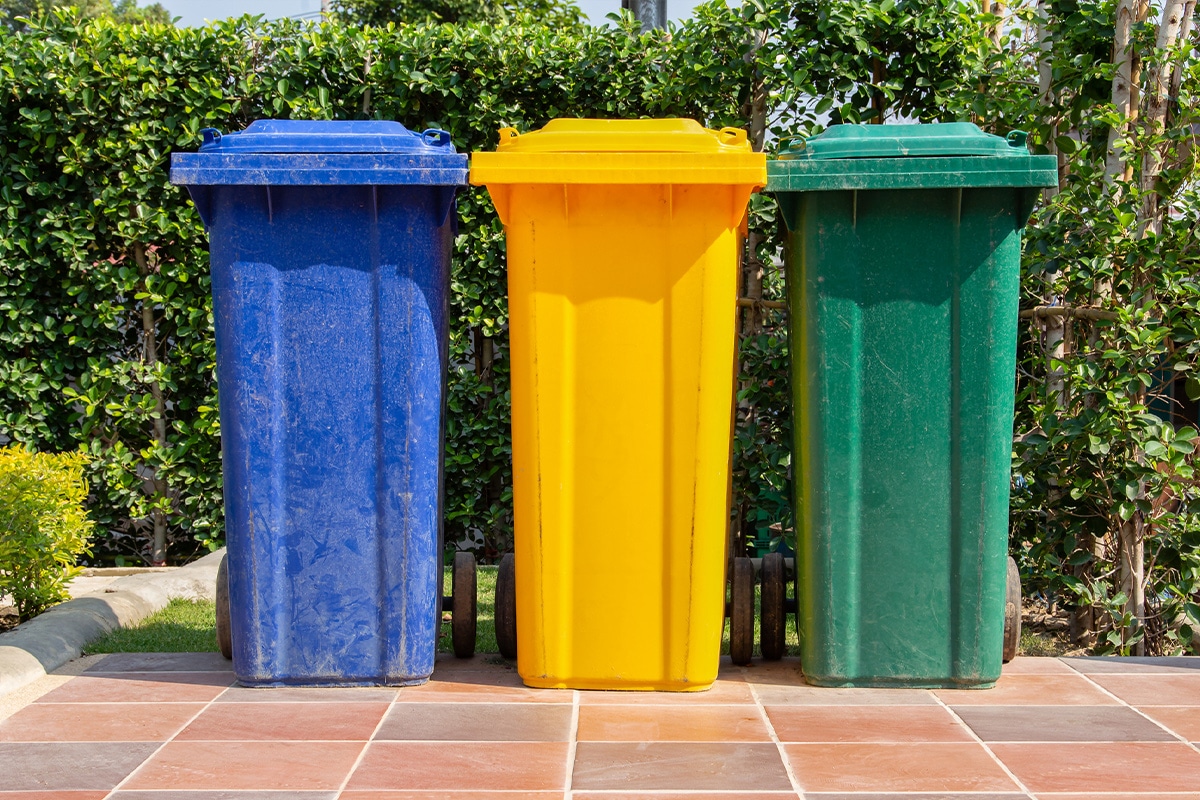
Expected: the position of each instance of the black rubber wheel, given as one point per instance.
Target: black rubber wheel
(506, 607)
(741, 612)
(1012, 612)
(772, 636)
(464, 609)
(224, 636)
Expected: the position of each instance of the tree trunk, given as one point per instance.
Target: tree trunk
(1046, 93)
(1157, 102)
(1132, 552)
(752, 267)
(1132, 533)
(1185, 31)
(1124, 86)
(996, 8)
(158, 554)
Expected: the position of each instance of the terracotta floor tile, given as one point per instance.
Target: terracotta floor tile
(477, 722)
(730, 691)
(1117, 767)
(219, 794)
(1031, 690)
(141, 687)
(1059, 724)
(819, 696)
(316, 694)
(52, 795)
(1184, 720)
(450, 795)
(1137, 665)
(473, 679)
(1122, 796)
(1035, 665)
(896, 768)
(163, 662)
(684, 796)
(715, 723)
(679, 766)
(866, 724)
(247, 765)
(785, 672)
(918, 796)
(463, 688)
(97, 722)
(261, 722)
(1153, 690)
(494, 766)
(69, 766)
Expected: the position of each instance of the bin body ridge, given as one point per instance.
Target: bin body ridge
(622, 363)
(623, 249)
(331, 372)
(329, 248)
(903, 359)
(903, 268)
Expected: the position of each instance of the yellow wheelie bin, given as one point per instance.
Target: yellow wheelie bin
(623, 249)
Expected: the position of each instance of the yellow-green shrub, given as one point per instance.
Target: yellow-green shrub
(43, 525)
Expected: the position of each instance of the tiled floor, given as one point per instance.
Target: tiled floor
(172, 727)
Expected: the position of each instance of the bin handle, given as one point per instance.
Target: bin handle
(796, 142)
(436, 137)
(738, 135)
(508, 133)
(209, 136)
(1017, 138)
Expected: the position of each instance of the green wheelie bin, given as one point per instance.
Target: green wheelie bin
(903, 266)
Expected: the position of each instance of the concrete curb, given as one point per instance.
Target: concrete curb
(50, 640)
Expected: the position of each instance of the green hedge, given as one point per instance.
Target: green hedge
(98, 250)
(105, 321)
(105, 318)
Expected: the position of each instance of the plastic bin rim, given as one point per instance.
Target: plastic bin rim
(624, 136)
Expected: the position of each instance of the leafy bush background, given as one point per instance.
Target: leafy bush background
(105, 318)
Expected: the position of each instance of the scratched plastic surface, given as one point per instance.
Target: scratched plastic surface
(329, 305)
(903, 306)
(623, 240)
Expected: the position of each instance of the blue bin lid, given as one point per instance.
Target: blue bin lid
(284, 152)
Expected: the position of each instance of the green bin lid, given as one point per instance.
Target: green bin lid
(895, 141)
(921, 156)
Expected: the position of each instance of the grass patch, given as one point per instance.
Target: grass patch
(187, 626)
(184, 626)
(1044, 643)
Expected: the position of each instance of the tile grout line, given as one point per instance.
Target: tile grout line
(363, 752)
(170, 739)
(971, 732)
(1132, 708)
(787, 764)
(572, 746)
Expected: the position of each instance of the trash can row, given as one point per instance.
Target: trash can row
(330, 250)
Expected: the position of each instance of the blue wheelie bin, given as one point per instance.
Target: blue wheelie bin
(330, 249)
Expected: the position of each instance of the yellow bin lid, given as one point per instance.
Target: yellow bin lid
(608, 151)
